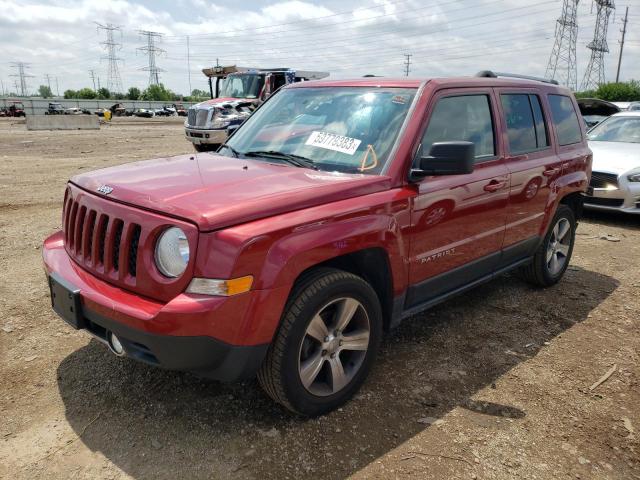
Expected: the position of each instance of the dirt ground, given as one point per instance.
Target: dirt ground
(491, 385)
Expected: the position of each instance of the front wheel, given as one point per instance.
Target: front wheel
(552, 257)
(326, 343)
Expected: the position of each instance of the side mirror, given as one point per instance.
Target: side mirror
(446, 158)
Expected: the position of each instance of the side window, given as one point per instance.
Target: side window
(462, 118)
(565, 119)
(525, 123)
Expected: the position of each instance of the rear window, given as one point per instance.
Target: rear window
(525, 124)
(565, 119)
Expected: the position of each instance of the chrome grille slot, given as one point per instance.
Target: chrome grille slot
(88, 240)
(102, 238)
(77, 243)
(133, 250)
(119, 226)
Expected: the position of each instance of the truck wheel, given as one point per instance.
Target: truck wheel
(326, 343)
(552, 257)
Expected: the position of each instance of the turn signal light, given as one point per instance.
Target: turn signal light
(220, 288)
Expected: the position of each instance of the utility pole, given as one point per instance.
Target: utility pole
(3, 92)
(22, 75)
(114, 82)
(92, 74)
(624, 31)
(152, 51)
(407, 63)
(189, 64)
(594, 75)
(57, 88)
(562, 61)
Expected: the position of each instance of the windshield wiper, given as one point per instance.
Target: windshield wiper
(233, 150)
(297, 160)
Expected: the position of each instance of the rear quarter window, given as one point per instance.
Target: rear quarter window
(565, 120)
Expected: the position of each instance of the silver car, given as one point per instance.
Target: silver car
(615, 179)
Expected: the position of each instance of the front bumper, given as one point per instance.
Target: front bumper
(200, 136)
(224, 338)
(624, 198)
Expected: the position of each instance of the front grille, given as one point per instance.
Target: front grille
(201, 117)
(605, 202)
(191, 116)
(100, 242)
(604, 180)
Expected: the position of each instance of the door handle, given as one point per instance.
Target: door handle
(494, 186)
(551, 172)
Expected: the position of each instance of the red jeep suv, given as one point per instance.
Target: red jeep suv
(336, 210)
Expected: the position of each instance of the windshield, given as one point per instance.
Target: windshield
(346, 129)
(241, 86)
(616, 129)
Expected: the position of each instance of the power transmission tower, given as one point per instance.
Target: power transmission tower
(624, 31)
(114, 82)
(22, 75)
(92, 74)
(152, 51)
(407, 63)
(562, 61)
(47, 77)
(594, 75)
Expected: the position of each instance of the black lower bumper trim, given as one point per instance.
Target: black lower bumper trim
(202, 355)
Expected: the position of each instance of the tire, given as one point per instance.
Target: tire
(552, 257)
(310, 373)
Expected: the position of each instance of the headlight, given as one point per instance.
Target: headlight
(634, 177)
(172, 252)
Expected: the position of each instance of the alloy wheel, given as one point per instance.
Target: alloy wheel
(558, 246)
(334, 346)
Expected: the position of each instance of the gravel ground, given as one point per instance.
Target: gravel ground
(492, 385)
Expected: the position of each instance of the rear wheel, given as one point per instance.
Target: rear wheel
(326, 343)
(552, 258)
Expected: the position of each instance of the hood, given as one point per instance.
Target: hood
(615, 157)
(214, 191)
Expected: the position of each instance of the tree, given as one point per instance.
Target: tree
(70, 94)
(86, 93)
(157, 92)
(104, 93)
(133, 93)
(199, 93)
(614, 92)
(44, 91)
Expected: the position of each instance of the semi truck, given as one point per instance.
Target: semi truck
(235, 93)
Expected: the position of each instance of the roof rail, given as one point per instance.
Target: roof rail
(490, 74)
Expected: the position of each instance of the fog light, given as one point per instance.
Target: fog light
(114, 344)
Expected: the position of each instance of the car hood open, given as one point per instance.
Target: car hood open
(215, 191)
(615, 157)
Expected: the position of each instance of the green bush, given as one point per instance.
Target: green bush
(614, 92)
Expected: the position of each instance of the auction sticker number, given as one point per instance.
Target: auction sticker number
(334, 142)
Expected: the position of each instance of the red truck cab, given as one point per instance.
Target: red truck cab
(336, 210)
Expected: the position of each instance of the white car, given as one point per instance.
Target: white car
(615, 177)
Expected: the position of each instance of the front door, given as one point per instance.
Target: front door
(458, 221)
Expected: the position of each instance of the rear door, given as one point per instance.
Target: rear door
(534, 166)
(458, 221)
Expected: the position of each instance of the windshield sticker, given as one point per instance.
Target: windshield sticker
(399, 99)
(337, 143)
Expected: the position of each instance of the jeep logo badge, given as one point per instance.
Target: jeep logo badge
(106, 189)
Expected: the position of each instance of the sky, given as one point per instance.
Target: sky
(348, 38)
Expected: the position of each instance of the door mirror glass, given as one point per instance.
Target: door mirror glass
(446, 158)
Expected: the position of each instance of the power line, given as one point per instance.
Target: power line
(594, 74)
(152, 51)
(114, 82)
(624, 31)
(22, 76)
(189, 64)
(407, 63)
